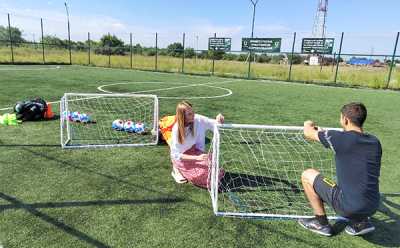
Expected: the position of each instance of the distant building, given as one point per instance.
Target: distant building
(360, 61)
(314, 60)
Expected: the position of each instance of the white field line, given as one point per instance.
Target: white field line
(30, 69)
(311, 84)
(229, 92)
(271, 81)
(141, 71)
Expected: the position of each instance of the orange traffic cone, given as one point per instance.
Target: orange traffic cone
(49, 114)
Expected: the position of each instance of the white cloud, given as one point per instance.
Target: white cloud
(55, 23)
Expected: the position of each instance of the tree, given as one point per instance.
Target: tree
(110, 45)
(297, 59)
(93, 43)
(242, 57)
(53, 40)
(150, 51)
(16, 34)
(190, 53)
(328, 61)
(162, 52)
(175, 49)
(217, 54)
(203, 55)
(276, 59)
(108, 40)
(80, 46)
(263, 58)
(137, 49)
(230, 56)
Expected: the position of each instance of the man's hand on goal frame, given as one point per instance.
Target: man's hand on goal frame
(311, 130)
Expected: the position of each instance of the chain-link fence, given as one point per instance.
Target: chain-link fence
(356, 59)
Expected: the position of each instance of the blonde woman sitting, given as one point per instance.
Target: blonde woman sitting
(190, 162)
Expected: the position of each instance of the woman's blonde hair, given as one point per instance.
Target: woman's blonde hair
(180, 120)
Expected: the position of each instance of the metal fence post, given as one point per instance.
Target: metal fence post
(109, 56)
(333, 61)
(291, 58)
(338, 57)
(130, 48)
(69, 43)
(392, 62)
(183, 54)
(252, 35)
(41, 28)
(10, 36)
(249, 67)
(156, 66)
(213, 57)
(109, 50)
(88, 37)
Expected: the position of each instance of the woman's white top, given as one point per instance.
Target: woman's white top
(201, 125)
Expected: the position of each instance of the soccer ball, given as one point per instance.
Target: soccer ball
(75, 116)
(58, 67)
(66, 115)
(118, 125)
(140, 127)
(84, 118)
(129, 127)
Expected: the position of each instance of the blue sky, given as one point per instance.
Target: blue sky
(369, 25)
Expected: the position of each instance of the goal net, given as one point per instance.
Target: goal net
(263, 167)
(108, 120)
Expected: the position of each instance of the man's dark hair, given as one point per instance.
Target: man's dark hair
(356, 112)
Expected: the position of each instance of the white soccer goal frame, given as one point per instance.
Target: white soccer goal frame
(64, 123)
(215, 167)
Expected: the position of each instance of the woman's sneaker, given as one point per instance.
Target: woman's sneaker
(359, 228)
(313, 225)
(178, 177)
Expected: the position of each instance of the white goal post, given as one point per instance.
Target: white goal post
(86, 120)
(263, 167)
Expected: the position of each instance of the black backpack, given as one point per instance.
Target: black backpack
(31, 110)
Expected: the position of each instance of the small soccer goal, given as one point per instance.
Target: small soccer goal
(108, 120)
(263, 167)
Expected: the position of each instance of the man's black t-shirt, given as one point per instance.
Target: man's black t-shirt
(358, 163)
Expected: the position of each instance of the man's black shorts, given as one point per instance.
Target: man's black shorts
(329, 193)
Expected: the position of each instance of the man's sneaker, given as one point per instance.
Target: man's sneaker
(313, 225)
(359, 228)
(178, 177)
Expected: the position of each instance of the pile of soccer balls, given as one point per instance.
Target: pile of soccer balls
(129, 126)
(78, 117)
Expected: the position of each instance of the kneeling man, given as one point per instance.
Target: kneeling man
(355, 195)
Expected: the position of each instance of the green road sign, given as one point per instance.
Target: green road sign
(261, 45)
(317, 45)
(219, 44)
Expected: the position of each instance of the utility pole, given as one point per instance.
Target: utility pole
(69, 34)
(254, 3)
